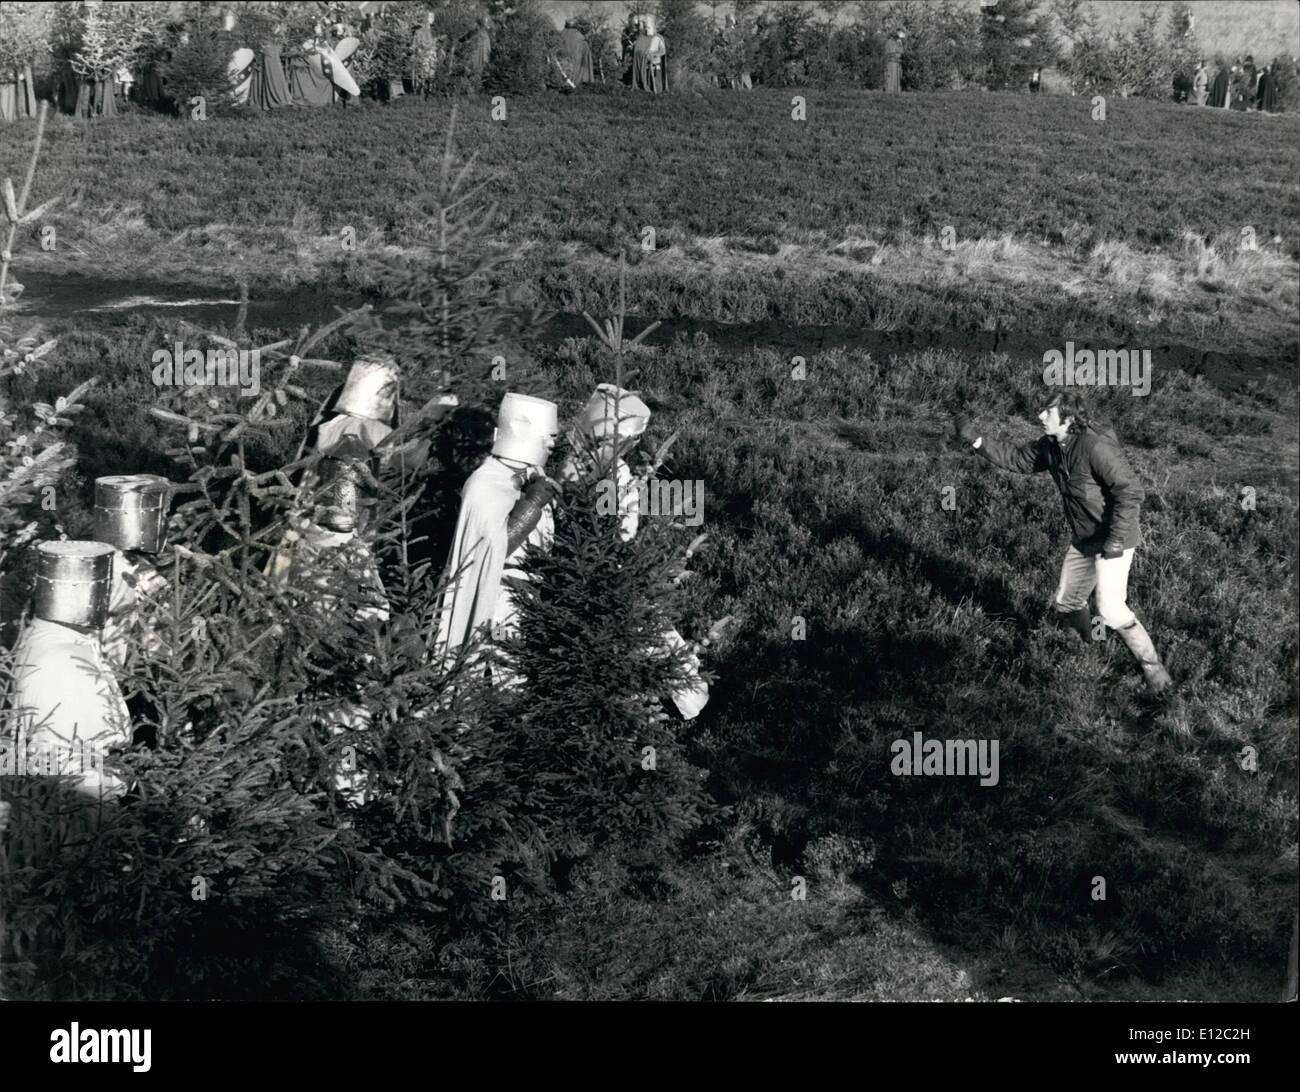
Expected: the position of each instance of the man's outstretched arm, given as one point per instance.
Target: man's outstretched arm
(1028, 458)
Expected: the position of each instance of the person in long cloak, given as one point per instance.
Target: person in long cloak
(8, 96)
(17, 94)
(426, 54)
(575, 54)
(308, 84)
(64, 689)
(1266, 97)
(894, 63)
(354, 421)
(505, 509)
(631, 32)
(480, 47)
(269, 89)
(648, 68)
(1237, 89)
(1219, 89)
(1200, 85)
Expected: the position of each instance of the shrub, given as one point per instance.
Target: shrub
(200, 67)
(520, 50)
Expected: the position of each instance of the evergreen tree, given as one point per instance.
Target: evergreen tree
(689, 40)
(608, 765)
(521, 46)
(455, 326)
(1014, 41)
(200, 67)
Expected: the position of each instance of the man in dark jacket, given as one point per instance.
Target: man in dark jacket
(1103, 499)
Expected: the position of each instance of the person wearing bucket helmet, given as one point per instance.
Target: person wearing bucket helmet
(648, 59)
(349, 435)
(612, 423)
(504, 509)
(68, 703)
(131, 516)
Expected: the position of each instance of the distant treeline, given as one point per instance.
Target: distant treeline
(86, 56)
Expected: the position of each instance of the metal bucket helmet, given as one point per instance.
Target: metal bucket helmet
(614, 413)
(73, 582)
(526, 427)
(371, 389)
(131, 511)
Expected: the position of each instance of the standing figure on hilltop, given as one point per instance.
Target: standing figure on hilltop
(1200, 84)
(734, 49)
(1103, 501)
(1236, 87)
(269, 89)
(631, 31)
(308, 84)
(505, 508)
(575, 54)
(1266, 96)
(427, 51)
(480, 47)
(1249, 82)
(648, 67)
(894, 62)
(1219, 90)
(69, 706)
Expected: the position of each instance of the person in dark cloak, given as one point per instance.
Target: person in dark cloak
(153, 88)
(306, 87)
(894, 63)
(269, 90)
(1237, 89)
(1249, 79)
(1266, 96)
(631, 31)
(480, 47)
(575, 54)
(1219, 89)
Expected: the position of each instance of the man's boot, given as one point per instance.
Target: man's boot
(1079, 620)
(1139, 643)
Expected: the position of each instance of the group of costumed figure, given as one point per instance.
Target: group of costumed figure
(1239, 86)
(643, 50)
(316, 73)
(17, 94)
(87, 613)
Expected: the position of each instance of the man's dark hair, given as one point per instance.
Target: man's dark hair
(1069, 404)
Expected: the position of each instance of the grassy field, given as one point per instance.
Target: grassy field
(1102, 228)
(823, 502)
